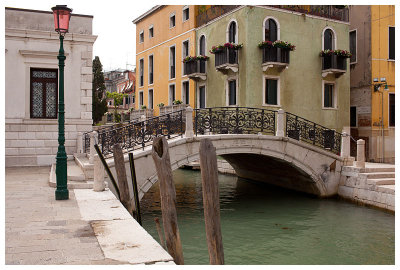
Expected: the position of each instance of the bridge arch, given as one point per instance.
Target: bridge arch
(317, 171)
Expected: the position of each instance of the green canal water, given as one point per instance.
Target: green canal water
(262, 224)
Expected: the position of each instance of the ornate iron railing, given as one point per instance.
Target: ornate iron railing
(86, 142)
(301, 129)
(137, 135)
(234, 120)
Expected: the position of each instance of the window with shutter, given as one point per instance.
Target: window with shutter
(391, 43)
(271, 91)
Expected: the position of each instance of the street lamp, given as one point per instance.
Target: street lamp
(62, 14)
(377, 86)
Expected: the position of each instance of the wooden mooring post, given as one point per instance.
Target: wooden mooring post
(209, 178)
(135, 189)
(162, 163)
(121, 177)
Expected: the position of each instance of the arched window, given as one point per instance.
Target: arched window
(232, 32)
(328, 40)
(271, 30)
(202, 48)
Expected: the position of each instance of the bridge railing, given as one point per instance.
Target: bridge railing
(234, 120)
(304, 130)
(137, 135)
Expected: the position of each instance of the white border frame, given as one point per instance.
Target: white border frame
(169, 62)
(198, 94)
(228, 79)
(141, 32)
(183, 10)
(264, 77)
(148, 70)
(354, 30)
(148, 98)
(169, 93)
(334, 37)
(183, 94)
(237, 31)
(183, 65)
(278, 27)
(169, 21)
(335, 95)
(139, 72)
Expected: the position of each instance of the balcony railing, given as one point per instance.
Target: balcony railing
(212, 13)
(334, 62)
(273, 54)
(326, 11)
(226, 56)
(195, 67)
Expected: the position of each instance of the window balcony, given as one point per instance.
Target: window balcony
(227, 59)
(195, 69)
(274, 57)
(333, 64)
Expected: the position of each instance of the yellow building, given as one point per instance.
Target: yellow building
(372, 41)
(164, 36)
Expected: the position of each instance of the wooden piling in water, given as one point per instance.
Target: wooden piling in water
(121, 177)
(160, 235)
(135, 189)
(209, 178)
(162, 163)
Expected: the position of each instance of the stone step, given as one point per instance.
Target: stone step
(376, 175)
(384, 181)
(386, 189)
(83, 162)
(378, 169)
(72, 183)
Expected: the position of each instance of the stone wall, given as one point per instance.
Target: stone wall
(31, 42)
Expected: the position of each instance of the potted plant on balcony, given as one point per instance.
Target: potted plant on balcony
(160, 105)
(176, 102)
(220, 48)
(334, 59)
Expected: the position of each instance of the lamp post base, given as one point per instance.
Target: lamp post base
(62, 194)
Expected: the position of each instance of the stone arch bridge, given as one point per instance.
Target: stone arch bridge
(269, 146)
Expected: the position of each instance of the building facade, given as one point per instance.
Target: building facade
(372, 68)
(121, 81)
(165, 35)
(31, 85)
(296, 81)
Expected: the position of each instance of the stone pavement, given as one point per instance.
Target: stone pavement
(41, 230)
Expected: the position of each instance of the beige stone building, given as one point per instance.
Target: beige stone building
(31, 85)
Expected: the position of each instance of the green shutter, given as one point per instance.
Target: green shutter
(271, 92)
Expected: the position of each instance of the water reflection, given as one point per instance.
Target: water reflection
(263, 224)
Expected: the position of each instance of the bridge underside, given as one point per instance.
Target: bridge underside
(272, 171)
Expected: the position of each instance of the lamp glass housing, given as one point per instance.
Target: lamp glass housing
(61, 14)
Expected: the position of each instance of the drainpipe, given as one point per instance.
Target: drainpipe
(383, 134)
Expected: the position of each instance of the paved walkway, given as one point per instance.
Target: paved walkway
(41, 230)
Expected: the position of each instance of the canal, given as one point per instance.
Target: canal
(263, 224)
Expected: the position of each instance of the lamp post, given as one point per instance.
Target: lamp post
(62, 14)
(376, 89)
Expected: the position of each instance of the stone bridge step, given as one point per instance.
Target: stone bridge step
(390, 189)
(378, 169)
(75, 177)
(383, 181)
(378, 175)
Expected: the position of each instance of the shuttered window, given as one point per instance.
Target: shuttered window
(353, 46)
(232, 32)
(172, 62)
(202, 97)
(232, 92)
(328, 39)
(271, 92)
(44, 93)
(328, 95)
(391, 43)
(271, 30)
(353, 116)
(392, 112)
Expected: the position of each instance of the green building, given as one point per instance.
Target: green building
(299, 81)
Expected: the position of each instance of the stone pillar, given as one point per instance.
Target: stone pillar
(189, 122)
(280, 123)
(360, 163)
(143, 117)
(98, 182)
(93, 139)
(345, 147)
(79, 143)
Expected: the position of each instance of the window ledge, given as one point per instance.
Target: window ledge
(270, 105)
(329, 109)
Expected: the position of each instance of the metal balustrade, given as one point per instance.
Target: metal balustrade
(213, 121)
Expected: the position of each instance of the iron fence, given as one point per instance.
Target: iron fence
(137, 135)
(234, 120)
(304, 130)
